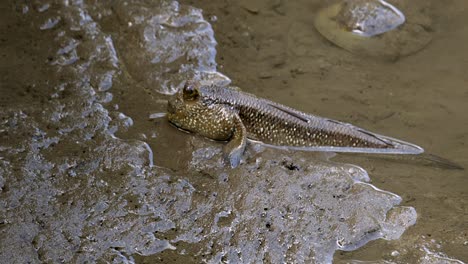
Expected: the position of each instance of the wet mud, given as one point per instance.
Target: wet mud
(90, 172)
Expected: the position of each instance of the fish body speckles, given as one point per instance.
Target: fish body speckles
(224, 113)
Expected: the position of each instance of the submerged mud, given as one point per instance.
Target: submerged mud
(86, 177)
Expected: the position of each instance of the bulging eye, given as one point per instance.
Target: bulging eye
(190, 92)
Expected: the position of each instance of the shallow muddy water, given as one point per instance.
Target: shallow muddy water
(87, 176)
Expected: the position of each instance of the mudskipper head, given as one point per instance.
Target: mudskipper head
(185, 106)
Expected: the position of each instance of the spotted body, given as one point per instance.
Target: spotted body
(225, 113)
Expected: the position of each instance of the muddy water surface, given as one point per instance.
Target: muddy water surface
(87, 176)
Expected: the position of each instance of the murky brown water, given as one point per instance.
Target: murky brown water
(80, 79)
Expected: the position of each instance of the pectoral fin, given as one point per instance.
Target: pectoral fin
(234, 149)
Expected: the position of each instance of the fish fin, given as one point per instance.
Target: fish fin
(393, 143)
(288, 111)
(403, 146)
(382, 139)
(234, 149)
(386, 140)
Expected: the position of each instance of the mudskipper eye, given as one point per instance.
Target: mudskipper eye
(190, 92)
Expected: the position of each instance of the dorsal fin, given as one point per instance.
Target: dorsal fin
(380, 138)
(289, 112)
